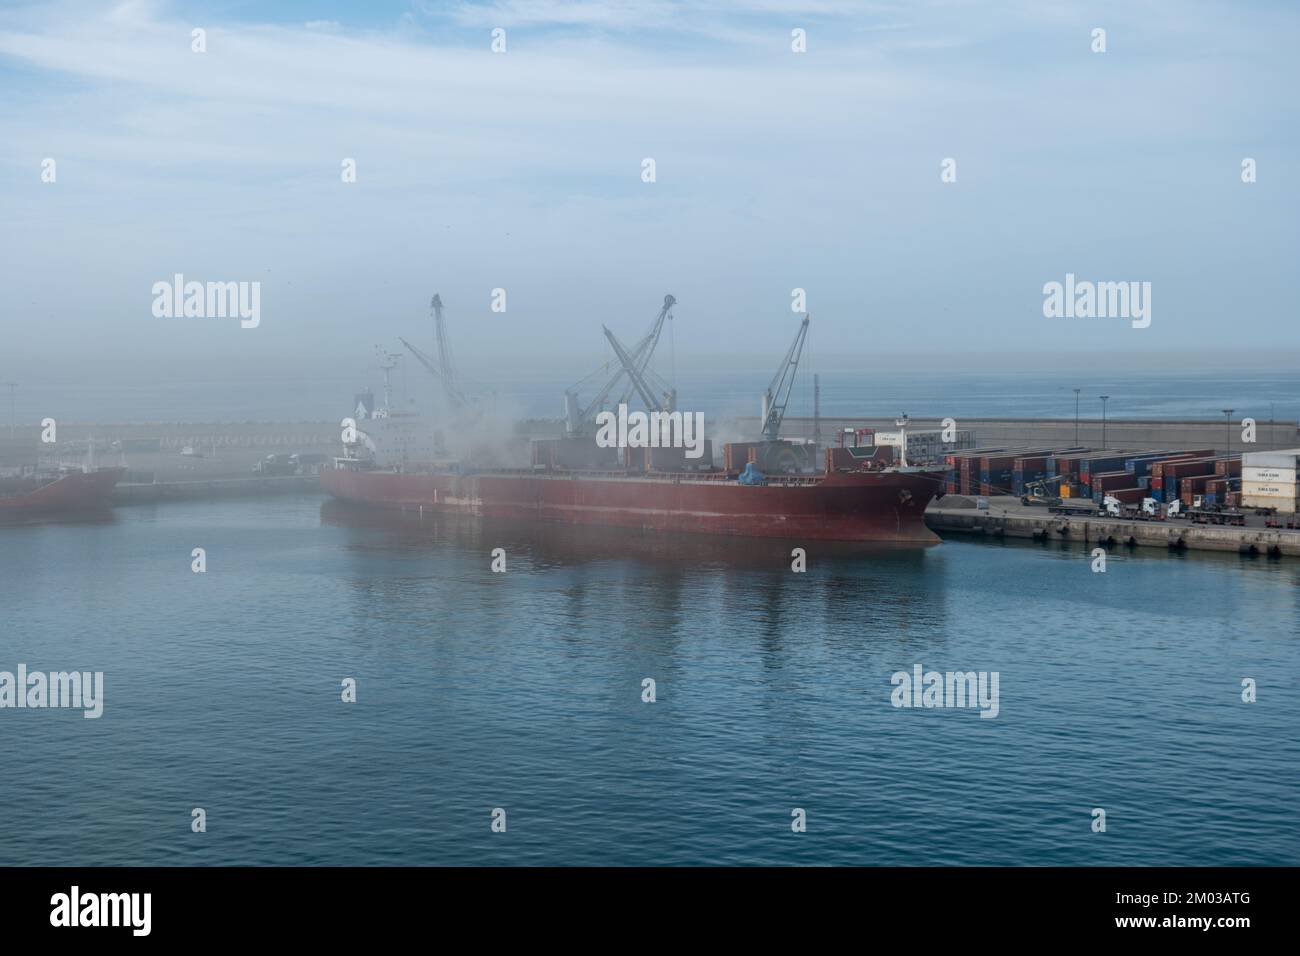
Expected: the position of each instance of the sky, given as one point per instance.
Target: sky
(522, 171)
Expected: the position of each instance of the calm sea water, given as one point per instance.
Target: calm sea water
(523, 691)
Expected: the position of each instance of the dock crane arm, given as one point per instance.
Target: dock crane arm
(777, 395)
(630, 367)
(634, 361)
(453, 393)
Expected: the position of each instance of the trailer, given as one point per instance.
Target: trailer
(1203, 516)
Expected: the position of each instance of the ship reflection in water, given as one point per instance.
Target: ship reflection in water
(98, 514)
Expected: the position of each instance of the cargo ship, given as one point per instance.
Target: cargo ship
(55, 492)
(878, 505)
(769, 488)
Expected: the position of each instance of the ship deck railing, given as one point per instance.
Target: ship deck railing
(674, 477)
(623, 474)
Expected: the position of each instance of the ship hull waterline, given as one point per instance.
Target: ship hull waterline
(861, 506)
(75, 491)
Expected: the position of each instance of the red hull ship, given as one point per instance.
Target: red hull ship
(887, 506)
(58, 492)
(769, 488)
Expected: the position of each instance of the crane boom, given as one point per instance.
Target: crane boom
(422, 358)
(629, 366)
(633, 364)
(777, 395)
(442, 370)
(444, 353)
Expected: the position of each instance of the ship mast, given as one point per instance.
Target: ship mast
(902, 438)
(817, 411)
(387, 362)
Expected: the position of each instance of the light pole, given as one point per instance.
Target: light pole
(1227, 420)
(1076, 416)
(12, 386)
(1104, 400)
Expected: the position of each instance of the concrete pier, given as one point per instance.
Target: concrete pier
(1008, 518)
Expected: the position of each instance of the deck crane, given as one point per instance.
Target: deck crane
(777, 395)
(775, 455)
(633, 363)
(633, 372)
(424, 360)
(443, 370)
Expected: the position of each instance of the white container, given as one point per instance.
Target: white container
(1270, 489)
(1282, 458)
(1283, 476)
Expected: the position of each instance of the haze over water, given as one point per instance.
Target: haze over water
(921, 386)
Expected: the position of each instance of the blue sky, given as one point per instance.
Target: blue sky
(522, 171)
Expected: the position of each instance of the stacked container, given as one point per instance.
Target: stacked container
(1268, 480)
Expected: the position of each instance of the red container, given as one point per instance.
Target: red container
(1106, 480)
(1128, 496)
(1187, 468)
(1158, 467)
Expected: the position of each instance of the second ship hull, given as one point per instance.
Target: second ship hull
(68, 492)
(862, 506)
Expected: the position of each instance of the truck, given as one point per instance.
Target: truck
(276, 465)
(1036, 493)
(1148, 510)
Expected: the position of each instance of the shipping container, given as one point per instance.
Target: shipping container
(675, 459)
(1089, 466)
(1282, 458)
(926, 445)
(574, 454)
(737, 454)
(1106, 480)
(1183, 468)
(1228, 466)
(1126, 496)
(1067, 464)
(1285, 476)
(954, 458)
(1272, 489)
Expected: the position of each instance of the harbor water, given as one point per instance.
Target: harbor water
(524, 691)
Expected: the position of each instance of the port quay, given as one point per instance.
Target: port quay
(194, 461)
